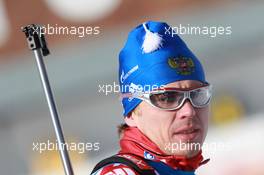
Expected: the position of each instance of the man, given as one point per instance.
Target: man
(165, 101)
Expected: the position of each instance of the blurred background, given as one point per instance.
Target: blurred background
(79, 64)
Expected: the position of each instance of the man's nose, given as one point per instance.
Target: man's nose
(187, 110)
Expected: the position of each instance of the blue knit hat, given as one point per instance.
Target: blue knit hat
(153, 57)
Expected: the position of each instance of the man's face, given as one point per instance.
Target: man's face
(177, 132)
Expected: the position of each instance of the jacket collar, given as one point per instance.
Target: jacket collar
(135, 142)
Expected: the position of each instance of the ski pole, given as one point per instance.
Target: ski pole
(36, 42)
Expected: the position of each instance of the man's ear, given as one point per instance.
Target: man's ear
(131, 118)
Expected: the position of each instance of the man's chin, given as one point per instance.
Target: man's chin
(185, 153)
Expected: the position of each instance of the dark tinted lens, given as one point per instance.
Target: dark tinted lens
(168, 99)
(200, 97)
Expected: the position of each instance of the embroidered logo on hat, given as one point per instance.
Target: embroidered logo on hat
(183, 65)
(124, 76)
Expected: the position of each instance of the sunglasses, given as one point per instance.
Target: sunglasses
(174, 98)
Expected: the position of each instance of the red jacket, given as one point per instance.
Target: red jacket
(136, 147)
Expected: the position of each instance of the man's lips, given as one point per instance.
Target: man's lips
(187, 132)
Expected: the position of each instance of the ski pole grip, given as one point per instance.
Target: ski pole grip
(35, 38)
